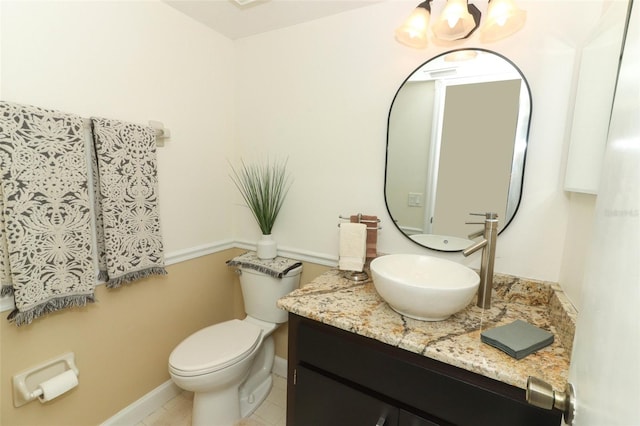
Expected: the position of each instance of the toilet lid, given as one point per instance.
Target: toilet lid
(214, 348)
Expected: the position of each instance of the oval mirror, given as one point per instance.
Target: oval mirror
(456, 144)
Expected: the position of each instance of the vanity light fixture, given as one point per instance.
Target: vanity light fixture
(413, 32)
(459, 20)
(503, 19)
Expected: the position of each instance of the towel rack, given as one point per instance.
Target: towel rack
(157, 126)
(161, 132)
(360, 220)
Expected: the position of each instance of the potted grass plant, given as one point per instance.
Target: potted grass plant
(264, 187)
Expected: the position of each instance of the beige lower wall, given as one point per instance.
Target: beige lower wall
(309, 272)
(122, 342)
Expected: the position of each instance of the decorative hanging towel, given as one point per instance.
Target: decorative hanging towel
(277, 267)
(372, 233)
(45, 235)
(131, 246)
(6, 287)
(353, 247)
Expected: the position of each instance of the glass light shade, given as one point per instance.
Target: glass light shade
(461, 55)
(503, 19)
(455, 21)
(413, 32)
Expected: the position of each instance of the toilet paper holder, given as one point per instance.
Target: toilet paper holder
(26, 385)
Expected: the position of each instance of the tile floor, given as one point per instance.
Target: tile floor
(177, 412)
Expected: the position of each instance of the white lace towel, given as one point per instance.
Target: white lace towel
(128, 198)
(277, 267)
(5, 270)
(45, 240)
(6, 286)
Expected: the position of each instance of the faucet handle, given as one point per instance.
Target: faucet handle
(476, 234)
(474, 248)
(487, 215)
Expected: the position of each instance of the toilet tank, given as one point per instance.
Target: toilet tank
(261, 292)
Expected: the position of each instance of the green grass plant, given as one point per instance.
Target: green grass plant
(264, 187)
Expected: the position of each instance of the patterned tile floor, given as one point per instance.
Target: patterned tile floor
(177, 412)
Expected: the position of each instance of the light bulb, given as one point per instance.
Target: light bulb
(501, 13)
(503, 19)
(456, 21)
(413, 32)
(452, 13)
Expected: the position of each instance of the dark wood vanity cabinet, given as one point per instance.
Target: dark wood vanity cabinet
(337, 378)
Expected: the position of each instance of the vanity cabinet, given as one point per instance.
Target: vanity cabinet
(338, 378)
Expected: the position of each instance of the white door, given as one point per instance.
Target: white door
(605, 365)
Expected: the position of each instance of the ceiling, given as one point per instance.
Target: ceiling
(234, 20)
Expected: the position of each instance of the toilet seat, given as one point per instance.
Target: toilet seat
(214, 348)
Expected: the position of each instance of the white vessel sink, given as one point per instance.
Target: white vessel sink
(441, 242)
(423, 287)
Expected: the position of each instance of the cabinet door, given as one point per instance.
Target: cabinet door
(322, 401)
(408, 419)
(446, 394)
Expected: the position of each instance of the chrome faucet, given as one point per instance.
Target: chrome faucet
(488, 246)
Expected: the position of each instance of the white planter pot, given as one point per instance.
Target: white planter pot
(267, 247)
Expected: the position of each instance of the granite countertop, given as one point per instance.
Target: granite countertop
(357, 307)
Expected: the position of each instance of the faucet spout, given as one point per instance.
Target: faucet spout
(475, 247)
(488, 246)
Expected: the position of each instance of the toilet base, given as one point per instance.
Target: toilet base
(225, 406)
(257, 386)
(223, 397)
(219, 408)
(249, 403)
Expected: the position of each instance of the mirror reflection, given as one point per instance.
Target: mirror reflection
(456, 143)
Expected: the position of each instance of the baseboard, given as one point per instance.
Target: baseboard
(280, 367)
(140, 409)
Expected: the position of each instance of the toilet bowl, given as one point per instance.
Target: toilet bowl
(228, 365)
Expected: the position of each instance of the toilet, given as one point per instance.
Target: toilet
(228, 365)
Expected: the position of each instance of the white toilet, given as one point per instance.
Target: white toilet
(228, 365)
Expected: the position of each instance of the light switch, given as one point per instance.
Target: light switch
(415, 199)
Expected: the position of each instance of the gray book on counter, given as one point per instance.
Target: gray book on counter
(517, 339)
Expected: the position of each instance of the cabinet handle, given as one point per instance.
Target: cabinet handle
(381, 421)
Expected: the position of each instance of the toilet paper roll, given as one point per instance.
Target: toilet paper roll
(58, 385)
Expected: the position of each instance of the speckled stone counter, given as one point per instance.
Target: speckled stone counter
(357, 307)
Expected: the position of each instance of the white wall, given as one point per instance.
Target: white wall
(576, 250)
(136, 61)
(320, 93)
